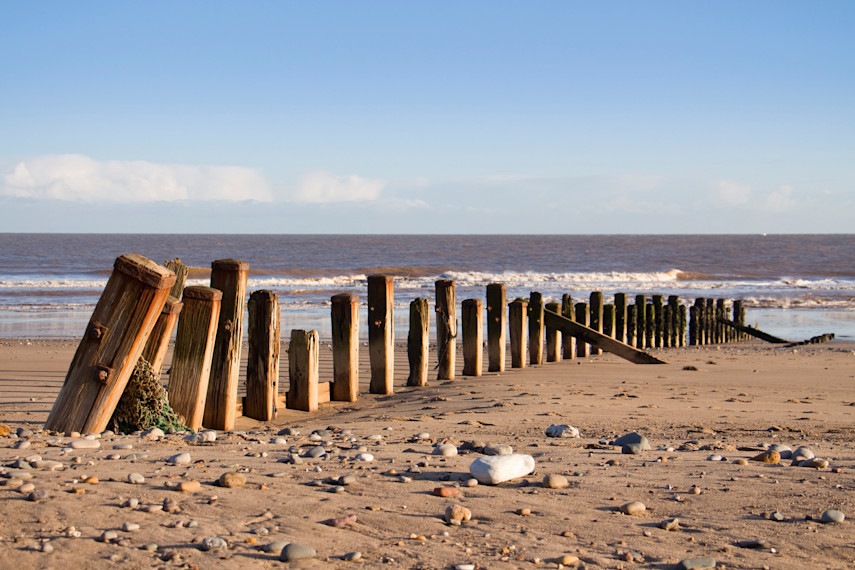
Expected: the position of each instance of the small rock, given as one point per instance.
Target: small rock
(352, 556)
(294, 551)
(523, 512)
(39, 495)
(632, 449)
(715, 457)
(740, 461)
(754, 544)
(152, 434)
(366, 457)
(232, 480)
(803, 452)
(84, 444)
(769, 457)
(566, 560)
(130, 527)
(470, 482)
(562, 431)
(814, 463)
(446, 491)
(108, 536)
(457, 513)
(777, 517)
(670, 524)
(696, 563)
(496, 469)
(347, 480)
(213, 542)
(633, 508)
(135, 479)
(180, 459)
(555, 481)
(25, 488)
(785, 451)
(832, 516)
(315, 452)
(189, 486)
(445, 450)
(633, 437)
(500, 449)
(341, 522)
(275, 546)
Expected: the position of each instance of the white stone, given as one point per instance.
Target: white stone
(496, 469)
(445, 449)
(562, 431)
(84, 444)
(180, 459)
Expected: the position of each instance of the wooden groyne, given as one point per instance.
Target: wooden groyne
(140, 308)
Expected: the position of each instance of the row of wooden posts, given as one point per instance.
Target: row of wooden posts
(140, 309)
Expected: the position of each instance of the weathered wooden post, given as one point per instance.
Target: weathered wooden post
(739, 317)
(657, 321)
(666, 325)
(649, 325)
(609, 320)
(473, 337)
(568, 342)
(517, 325)
(681, 326)
(674, 303)
(229, 276)
(158, 341)
(620, 317)
(694, 329)
(710, 314)
(496, 327)
(262, 365)
(113, 342)
(380, 333)
(583, 349)
(535, 328)
(345, 347)
(553, 337)
(596, 321)
(719, 326)
(630, 319)
(446, 329)
(303, 371)
(194, 347)
(641, 321)
(417, 342)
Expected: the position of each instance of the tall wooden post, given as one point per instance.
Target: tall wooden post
(657, 321)
(568, 342)
(609, 320)
(681, 326)
(649, 325)
(596, 322)
(517, 325)
(710, 321)
(380, 333)
(535, 328)
(630, 319)
(666, 325)
(446, 329)
(694, 338)
(417, 342)
(719, 326)
(344, 317)
(113, 342)
(739, 317)
(553, 337)
(674, 303)
(583, 349)
(194, 347)
(229, 276)
(496, 327)
(473, 337)
(640, 321)
(158, 342)
(620, 317)
(262, 365)
(303, 371)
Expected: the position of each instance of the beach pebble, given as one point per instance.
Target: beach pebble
(446, 491)
(740, 461)
(562, 430)
(815, 463)
(288, 431)
(123, 446)
(189, 486)
(457, 513)
(279, 441)
(315, 452)
(352, 556)
(464, 567)
(422, 435)
(670, 524)
(757, 544)
(633, 508)
(367, 457)
(136, 456)
(715, 457)
(341, 522)
(445, 450)
(696, 563)
(631, 438)
(131, 503)
(555, 481)
(470, 482)
(803, 452)
(213, 542)
(232, 480)
(5, 430)
(46, 547)
(152, 434)
(135, 479)
(294, 551)
(24, 444)
(777, 517)
(632, 449)
(499, 449)
(495, 469)
(26, 488)
(130, 527)
(770, 457)
(84, 444)
(179, 459)
(275, 546)
(39, 495)
(566, 560)
(108, 536)
(832, 516)
(785, 451)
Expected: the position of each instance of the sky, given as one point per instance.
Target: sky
(555, 117)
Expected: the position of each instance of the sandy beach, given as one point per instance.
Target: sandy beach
(371, 498)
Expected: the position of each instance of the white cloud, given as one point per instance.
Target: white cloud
(324, 187)
(780, 200)
(731, 193)
(76, 177)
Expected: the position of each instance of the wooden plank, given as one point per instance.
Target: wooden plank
(754, 332)
(303, 371)
(344, 317)
(535, 328)
(496, 327)
(262, 365)
(112, 343)
(517, 326)
(158, 342)
(473, 337)
(599, 340)
(446, 329)
(381, 355)
(417, 342)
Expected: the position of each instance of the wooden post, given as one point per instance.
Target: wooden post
(535, 328)
(417, 342)
(596, 321)
(739, 317)
(158, 342)
(568, 342)
(630, 319)
(517, 325)
(666, 325)
(344, 317)
(658, 319)
(674, 303)
(640, 321)
(620, 317)
(553, 337)
(229, 276)
(710, 321)
(473, 337)
(496, 327)
(191, 359)
(113, 342)
(694, 339)
(609, 320)
(582, 348)
(681, 326)
(262, 365)
(381, 293)
(719, 327)
(446, 329)
(303, 371)
(649, 325)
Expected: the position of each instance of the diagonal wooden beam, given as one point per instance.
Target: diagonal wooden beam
(598, 340)
(753, 332)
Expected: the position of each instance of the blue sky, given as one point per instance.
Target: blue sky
(428, 117)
